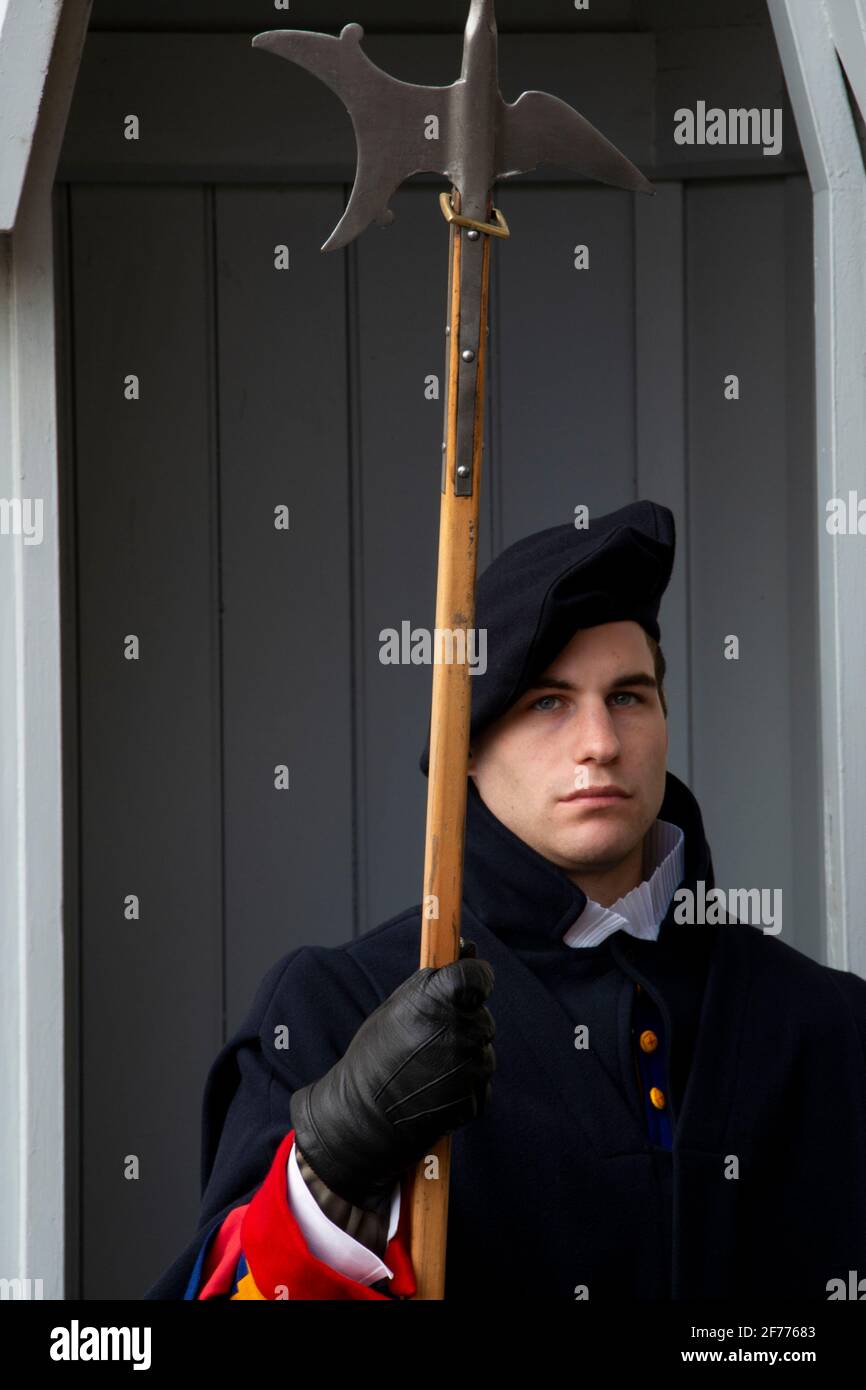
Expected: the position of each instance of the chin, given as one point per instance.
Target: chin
(596, 850)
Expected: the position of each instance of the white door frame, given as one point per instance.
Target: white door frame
(809, 34)
(41, 42)
(40, 49)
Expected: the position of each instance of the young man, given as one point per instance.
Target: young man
(674, 1110)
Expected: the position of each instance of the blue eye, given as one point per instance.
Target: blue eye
(618, 695)
(537, 702)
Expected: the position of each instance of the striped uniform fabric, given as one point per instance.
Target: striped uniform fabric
(257, 1251)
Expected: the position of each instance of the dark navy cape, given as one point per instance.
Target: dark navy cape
(558, 1185)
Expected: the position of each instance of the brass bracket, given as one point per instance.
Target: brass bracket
(497, 228)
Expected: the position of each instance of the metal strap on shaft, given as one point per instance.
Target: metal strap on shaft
(497, 228)
(471, 323)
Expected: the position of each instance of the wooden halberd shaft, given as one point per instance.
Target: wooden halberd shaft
(451, 707)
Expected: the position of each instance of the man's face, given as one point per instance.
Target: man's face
(592, 719)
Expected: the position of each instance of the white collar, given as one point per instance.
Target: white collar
(641, 911)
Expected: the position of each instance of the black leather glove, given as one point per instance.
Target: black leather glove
(418, 1068)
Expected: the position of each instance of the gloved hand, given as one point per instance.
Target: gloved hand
(417, 1068)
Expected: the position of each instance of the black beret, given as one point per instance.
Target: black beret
(539, 591)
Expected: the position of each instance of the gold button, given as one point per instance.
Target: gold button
(637, 987)
(657, 1097)
(648, 1040)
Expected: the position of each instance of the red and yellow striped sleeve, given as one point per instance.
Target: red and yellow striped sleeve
(259, 1252)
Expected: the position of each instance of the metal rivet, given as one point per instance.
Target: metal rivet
(447, 328)
(473, 234)
(444, 447)
(468, 355)
(462, 471)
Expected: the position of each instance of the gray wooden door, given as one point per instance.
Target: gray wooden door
(207, 648)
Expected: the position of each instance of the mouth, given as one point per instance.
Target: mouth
(598, 796)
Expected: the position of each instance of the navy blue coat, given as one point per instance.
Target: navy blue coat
(563, 1184)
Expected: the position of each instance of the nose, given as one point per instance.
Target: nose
(594, 735)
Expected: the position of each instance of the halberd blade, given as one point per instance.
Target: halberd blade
(538, 128)
(464, 131)
(388, 116)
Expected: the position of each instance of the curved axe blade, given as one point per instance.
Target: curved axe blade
(389, 118)
(464, 131)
